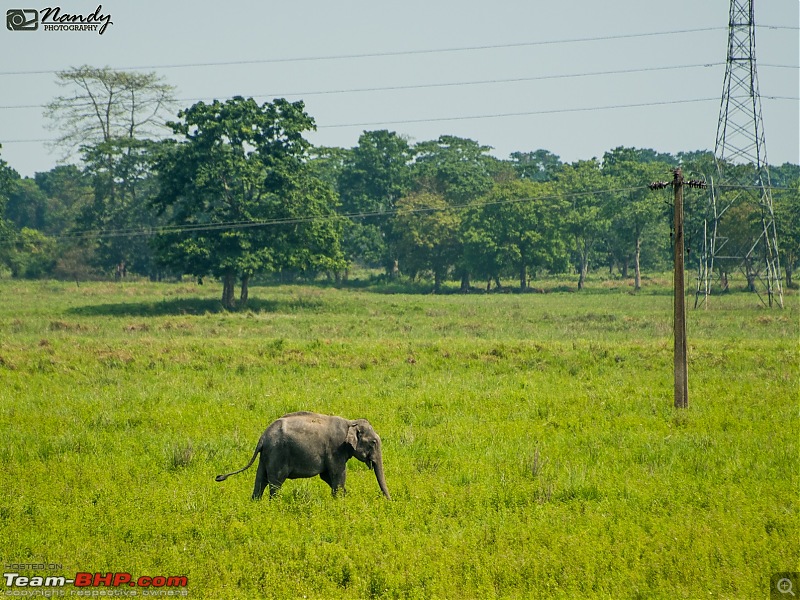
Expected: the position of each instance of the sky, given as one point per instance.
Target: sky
(575, 77)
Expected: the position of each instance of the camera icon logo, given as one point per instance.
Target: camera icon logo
(22, 19)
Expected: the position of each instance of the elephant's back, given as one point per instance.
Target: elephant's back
(304, 425)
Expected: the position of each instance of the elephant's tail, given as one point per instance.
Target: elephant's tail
(252, 460)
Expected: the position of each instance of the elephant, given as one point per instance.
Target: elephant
(305, 444)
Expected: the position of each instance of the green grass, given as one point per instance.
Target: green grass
(530, 443)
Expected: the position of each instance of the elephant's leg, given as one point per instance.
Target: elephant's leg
(275, 483)
(332, 481)
(276, 473)
(336, 480)
(274, 488)
(261, 478)
(325, 477)
(276, 478)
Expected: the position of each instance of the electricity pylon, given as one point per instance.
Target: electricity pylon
(739, 231)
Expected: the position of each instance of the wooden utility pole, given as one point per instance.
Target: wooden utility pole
(679, 301)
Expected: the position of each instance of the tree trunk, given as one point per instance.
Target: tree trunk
(245, 290)
(228, 283)
(583, 258)
(465, 282)
(751, 276)
(584, 271)
(523, 277)
(787, 270)
(637, 272)
(437, 281)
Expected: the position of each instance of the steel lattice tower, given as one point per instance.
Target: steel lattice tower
(740, 226)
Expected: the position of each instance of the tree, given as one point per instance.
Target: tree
(457, 169)
(700, 165)
(26, 205)
(124, 185)
(634, 210)
(103, 104)
(375, 174)
(9, 179)
(8, 182)
(26, 251)
(327, 163)
(240, 196)
(787, 222)
(112, 117)
(516, 227)
(32, 255)
(583, 185)
(484, 256)
(426, 235)
(541, 165)
(784, 175)
(68, 190)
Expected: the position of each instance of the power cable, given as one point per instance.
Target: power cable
(390, 53)
(484, 116)
(433, 85)
(532, 113)
(446, 84)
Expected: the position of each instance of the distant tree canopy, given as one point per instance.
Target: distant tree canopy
(8, 233)
(238, 191)
(102, 104)
(239, 197)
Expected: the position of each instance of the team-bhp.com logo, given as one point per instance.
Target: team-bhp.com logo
(52, 19)
(96, 580)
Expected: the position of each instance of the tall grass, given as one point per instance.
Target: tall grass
(530, 443)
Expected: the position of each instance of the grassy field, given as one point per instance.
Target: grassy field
(530, 443)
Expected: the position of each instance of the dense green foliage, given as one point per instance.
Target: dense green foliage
(530, 443)
(239, 164)
(239, 192)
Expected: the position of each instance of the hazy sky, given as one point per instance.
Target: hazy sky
(565, 79)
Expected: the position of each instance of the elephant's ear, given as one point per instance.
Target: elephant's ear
(352, 436)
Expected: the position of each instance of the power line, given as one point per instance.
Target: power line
(391, 53)
(486, 116)
(469, 117)
(439, 85)
(457, 84)
(521, 114)
(454, 83)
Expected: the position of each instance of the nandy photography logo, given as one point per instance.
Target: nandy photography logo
(53, 18)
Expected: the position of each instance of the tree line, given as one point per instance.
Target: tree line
(232, 189)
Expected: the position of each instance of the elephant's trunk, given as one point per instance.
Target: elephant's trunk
(377, 466)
